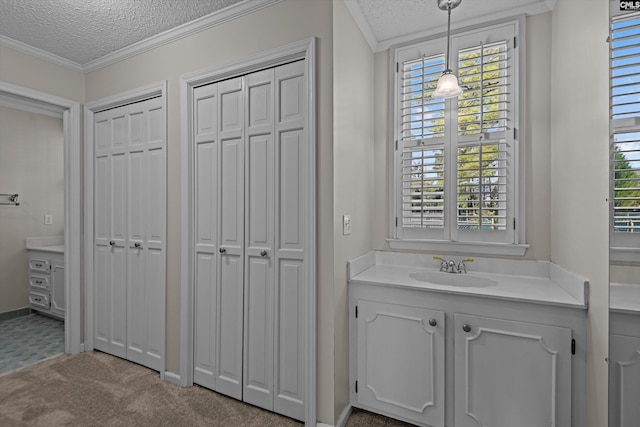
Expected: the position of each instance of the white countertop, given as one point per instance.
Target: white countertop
(53, 244)
(624, 298)
(543, 283)
(58, 249)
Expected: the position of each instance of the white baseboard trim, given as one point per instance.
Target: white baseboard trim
(342, 421)
(172, 377)
(344, 416)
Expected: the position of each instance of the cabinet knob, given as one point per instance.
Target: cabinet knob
(433, 322)
(137, 245)
(112, 243)
(263, 253)
(466, 328)
(222, 250)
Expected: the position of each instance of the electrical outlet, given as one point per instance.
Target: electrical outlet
(346, 224)
(48, 219)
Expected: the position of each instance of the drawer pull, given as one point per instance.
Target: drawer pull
(433, 322)
(263, 253)
(466, 328)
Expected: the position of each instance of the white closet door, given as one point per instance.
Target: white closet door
(110, 230)
(231, 238)
(205, 107)
(259, 228)
(129, 234)
(145, 247)
(290, 257)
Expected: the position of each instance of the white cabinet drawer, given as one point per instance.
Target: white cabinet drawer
(40, 265)
(39, 300)
(37, 281)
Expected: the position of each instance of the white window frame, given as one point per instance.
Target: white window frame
(624, 247)
(511, 241)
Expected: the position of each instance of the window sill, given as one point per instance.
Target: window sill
(625, 255)
(477, 248)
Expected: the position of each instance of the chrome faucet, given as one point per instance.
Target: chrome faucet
(451, 267)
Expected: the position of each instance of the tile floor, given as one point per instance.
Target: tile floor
(29, 339)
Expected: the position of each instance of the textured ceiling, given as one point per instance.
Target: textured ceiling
(84, 30)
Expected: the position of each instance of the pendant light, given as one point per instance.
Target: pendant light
(447, 86)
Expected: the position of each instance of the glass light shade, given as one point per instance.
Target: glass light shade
(447, 86)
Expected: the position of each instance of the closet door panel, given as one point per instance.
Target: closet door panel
(118, 190)
(155, 199)
(102, 268)
(205, 322)
(229, 345)
(206, 236)
(231, 239)
(289, 387)
(290, 151)
(154, 308)
(258, 352)
(118, 297)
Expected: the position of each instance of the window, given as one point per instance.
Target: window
(456, 161)
(625, 139)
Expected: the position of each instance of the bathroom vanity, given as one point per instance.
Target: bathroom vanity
(46, 276)
(504, 345)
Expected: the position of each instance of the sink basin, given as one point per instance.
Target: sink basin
(452, 279)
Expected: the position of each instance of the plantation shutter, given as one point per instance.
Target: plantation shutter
(455, 158)
(483, 122)
(625, 119)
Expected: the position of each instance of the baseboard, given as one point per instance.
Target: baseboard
(172, 377)
(342, 420)
(344, 417)
(15, 313)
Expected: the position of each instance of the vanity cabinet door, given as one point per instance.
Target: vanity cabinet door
(57, 285)
(624, 380)
(401, 361)
(511, 373)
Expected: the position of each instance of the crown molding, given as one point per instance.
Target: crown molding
(362, 23)
(201, 24)
(39, 53)
(204, 23)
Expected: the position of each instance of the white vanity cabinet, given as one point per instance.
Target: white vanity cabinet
(46, 280)
(435, 357)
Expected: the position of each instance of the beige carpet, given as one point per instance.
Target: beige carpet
(96, 389)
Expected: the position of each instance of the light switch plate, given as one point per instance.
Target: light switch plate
(346, 224)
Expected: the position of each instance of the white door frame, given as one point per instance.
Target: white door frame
(129, 97)
(70, 111)
(301, 50)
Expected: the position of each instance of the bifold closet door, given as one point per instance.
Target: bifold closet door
(219, 244)
(249, 237)
(129, 231)
(275, 257)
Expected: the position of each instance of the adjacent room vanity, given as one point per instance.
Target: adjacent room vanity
(503, 345)
(46, 275)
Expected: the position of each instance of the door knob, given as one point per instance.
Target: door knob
(263, 253)
(222, 250)
(112, 243)
(466, 328)
(137, 245)
(433, 322)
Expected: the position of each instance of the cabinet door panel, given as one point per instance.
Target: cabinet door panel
(401, 361)
(511, 373)
(205, 324)
(57, 286)
(624, 381)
